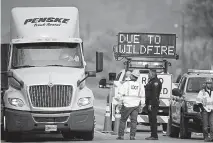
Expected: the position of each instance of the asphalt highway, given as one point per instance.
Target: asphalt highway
(100, 137)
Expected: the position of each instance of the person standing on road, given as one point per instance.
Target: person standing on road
(130, 95)
(205, 100)
(152, 91)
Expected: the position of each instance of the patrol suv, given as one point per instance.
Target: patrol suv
(183, 119)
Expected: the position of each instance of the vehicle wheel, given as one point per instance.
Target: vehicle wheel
(88, 136)
(184, 134)
(113, 124)
(10, 136)
(164, 126)
(174, 131)
(2, 122)
(68, 135)
(2, 131)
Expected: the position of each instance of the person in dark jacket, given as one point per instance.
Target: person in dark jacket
(152, 92)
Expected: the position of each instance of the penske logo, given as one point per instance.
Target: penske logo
(46, 21)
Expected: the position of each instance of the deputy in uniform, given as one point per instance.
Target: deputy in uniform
(130, 96)
(152, 90)
(205, 99)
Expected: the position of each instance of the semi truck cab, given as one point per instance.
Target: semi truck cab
(45, 88)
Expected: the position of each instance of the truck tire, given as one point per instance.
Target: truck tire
(10, 136)
(184, 133)
(174, 131)
(2, 131)
(164, 126)
(68, 135)
(88, 136)
(113, 125)
(2, 119)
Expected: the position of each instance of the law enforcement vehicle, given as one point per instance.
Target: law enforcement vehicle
(183, 119)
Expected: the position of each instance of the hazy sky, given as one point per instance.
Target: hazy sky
(101, 15)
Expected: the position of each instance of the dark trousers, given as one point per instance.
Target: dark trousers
(153, 121)
(125, 113)
(207, 121)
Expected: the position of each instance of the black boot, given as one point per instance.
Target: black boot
(207, 139)
(151, 138)
(120, 138)
(132, 138)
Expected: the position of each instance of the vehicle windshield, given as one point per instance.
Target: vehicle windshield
(47, 54)
(195, 84)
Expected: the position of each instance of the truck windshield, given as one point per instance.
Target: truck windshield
(195, 84)
(47, 54)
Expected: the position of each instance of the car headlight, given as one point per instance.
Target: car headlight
(190, 106)
(84, 101)
(16, 102)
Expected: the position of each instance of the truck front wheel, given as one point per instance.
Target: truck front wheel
(173, 131)
(113, 124)
(88, 136)
(68, 135)
(12, 136)
(164, 126)
(9, 136)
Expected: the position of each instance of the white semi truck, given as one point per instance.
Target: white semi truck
(46, 74)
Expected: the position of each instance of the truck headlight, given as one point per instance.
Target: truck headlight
(84, 101)
(16, 102)
(190, 106)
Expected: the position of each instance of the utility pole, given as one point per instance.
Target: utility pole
(183, 42)
(183, 26)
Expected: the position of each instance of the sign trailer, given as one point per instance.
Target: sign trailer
(148, 45)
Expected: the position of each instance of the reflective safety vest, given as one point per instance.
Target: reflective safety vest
(206, 98)
(131, 93)
(127, 79)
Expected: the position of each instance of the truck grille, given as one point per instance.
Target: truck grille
(46, 96)
(51, 119)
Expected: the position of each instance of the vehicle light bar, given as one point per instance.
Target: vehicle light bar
(200, 71)
(144, 63)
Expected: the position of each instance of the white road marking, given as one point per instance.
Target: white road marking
(97, 126)
(100, 133)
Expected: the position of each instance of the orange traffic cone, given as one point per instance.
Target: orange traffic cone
(107, 121)
(127, 129)
(117, 122)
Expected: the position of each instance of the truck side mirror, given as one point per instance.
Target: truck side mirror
(4, 66)
(178, 79)
(174, 85)
(99, 62)
(91, 73)
(102, 83)
(176, 56)
(112, 76)
(176, 92)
